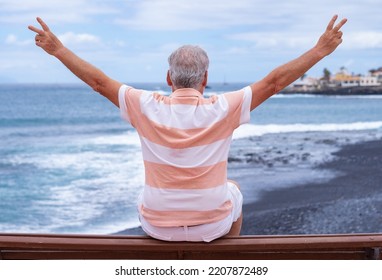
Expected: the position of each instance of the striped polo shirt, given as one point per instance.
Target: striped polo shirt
(185, 141)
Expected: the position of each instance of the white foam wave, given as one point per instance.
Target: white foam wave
(91, 185)
(80, 203)
(88, 185)
(248, 130)
(296, 95)
(79, 161)
(128, 138)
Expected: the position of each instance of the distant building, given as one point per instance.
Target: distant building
(377, 73)
(369, 81)
(306, 84)
(344, 79)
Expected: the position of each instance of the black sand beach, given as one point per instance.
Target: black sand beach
(322, 184)
(349, 203)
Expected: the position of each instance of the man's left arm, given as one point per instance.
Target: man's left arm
(285, 74)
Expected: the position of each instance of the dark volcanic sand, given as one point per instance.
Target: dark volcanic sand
(349, 203)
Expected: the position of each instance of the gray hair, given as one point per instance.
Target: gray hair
(188, 65)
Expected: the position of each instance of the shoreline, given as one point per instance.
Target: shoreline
(348, 202)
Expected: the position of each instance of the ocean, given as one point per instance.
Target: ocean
(69, 164)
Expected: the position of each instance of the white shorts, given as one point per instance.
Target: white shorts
(206, 232)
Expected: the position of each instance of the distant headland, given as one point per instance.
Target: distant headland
(341, 83)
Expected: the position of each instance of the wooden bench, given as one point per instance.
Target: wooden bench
(57, 246)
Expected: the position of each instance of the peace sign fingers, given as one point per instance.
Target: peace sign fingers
(336, 28)
(331, 23)
(45, 38)
(43, 24)
(339, 25)
(40, 32)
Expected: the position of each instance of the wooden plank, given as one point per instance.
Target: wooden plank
(280, 255)
(55, 246)
(267, 255)
(225, 244)
(90, 255)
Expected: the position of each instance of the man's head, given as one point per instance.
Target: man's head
(188, 68)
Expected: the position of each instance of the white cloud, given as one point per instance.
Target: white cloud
(351, 40)
(363, 40)
(264, 14)
(199, 14)
(280, 40)
(69, 11)
(12, 39)
(70, 38)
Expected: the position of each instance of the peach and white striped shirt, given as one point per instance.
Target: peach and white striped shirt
(185, 141)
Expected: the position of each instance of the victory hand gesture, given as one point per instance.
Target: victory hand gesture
(331, 38)
(46, 39)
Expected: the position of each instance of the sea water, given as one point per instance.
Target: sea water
(69, 164)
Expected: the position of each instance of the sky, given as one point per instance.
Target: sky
(130, 40)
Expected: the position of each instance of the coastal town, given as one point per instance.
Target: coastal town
(342, 82)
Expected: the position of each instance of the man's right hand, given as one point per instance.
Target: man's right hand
(88, 73)
(46, 39)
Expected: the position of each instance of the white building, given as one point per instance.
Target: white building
(306, 84)
(367, 81)
(377, 73)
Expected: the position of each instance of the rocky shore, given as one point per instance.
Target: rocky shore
(357, 90)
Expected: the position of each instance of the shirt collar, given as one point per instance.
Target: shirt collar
(186, 92)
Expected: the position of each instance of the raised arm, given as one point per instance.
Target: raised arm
(91, 75)
(284, 75)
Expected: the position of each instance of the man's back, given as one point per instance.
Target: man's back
(185, 142)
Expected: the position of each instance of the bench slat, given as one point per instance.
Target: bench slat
(56, 246)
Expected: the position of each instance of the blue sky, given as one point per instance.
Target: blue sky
(130, 40)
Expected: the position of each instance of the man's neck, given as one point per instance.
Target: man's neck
(200, 89)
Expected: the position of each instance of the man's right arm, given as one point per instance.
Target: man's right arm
(285, 74)
(91, 75)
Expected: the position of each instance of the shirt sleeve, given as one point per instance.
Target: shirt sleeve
(130, 104)
(122, 103)
(246, 105)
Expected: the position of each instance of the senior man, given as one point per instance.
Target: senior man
(185, 137)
